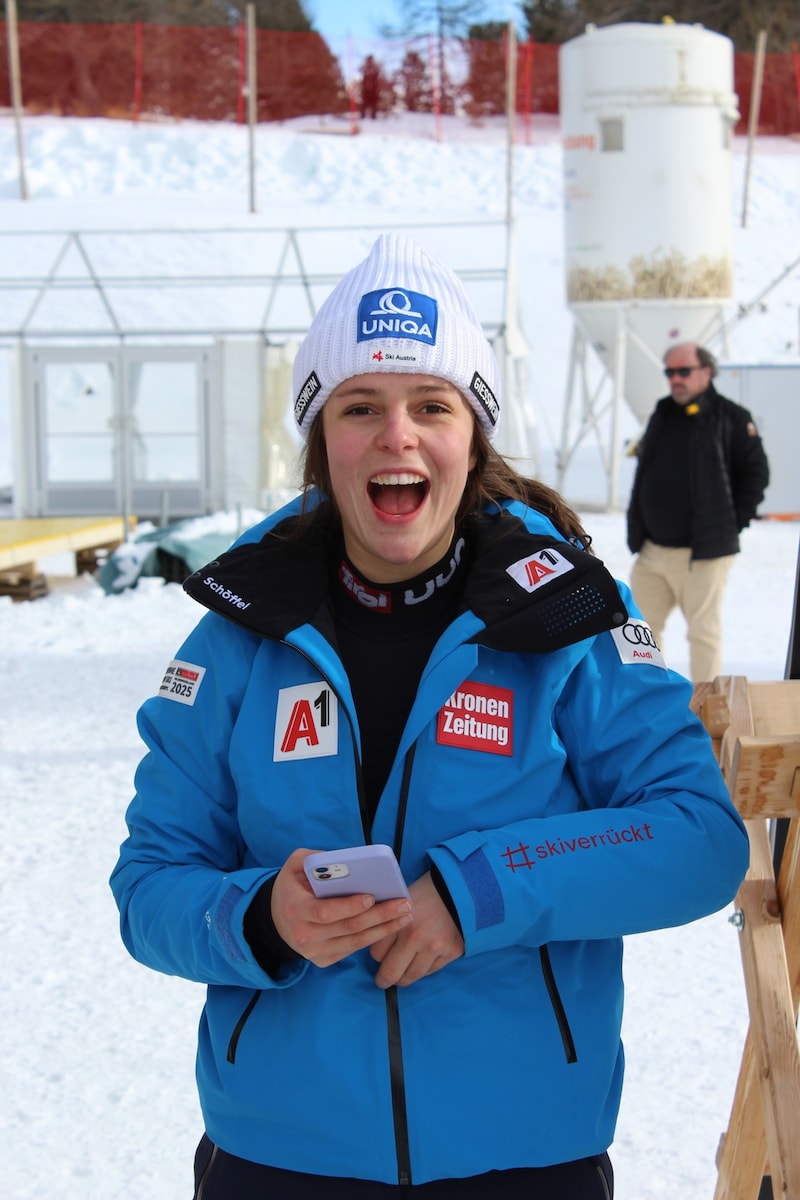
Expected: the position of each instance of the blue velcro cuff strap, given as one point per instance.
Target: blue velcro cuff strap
(484, 890)
(223, 918)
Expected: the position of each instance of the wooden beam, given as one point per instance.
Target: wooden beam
(27, 539)
(772, 1013)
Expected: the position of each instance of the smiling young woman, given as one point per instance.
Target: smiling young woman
(419, 651)
(399, 450)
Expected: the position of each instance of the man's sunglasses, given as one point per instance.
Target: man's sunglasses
(684, 372)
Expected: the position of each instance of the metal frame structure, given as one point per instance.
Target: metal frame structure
(101, 275)
(103, 288)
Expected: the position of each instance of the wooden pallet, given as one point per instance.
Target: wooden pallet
(756, 732)
(23, 584)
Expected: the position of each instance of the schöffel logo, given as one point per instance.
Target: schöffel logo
(306, 394)
(397, 313)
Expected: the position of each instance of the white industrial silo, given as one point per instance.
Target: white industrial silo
(647, 117)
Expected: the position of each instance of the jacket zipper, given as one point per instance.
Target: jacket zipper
(558, 1005)
(396, 1067)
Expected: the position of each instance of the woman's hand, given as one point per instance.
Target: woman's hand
(427, 943)
(326, 931)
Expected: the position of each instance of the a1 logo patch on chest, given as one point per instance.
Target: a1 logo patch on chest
(306, 722)
(477, 716)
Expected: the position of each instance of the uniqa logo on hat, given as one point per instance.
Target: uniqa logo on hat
(397, 313)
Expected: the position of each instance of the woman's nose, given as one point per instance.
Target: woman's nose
(397, 431)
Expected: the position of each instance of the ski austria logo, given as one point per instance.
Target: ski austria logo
(477, 716)
(397, 313)
(181, 682)
(635, 644)
(540, 568)
(306, 722)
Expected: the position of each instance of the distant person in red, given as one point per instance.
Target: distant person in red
(370, 88)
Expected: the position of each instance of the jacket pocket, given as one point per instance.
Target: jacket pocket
(239, 1026)
(558, 1005)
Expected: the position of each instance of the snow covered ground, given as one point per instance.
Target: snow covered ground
(97, 1096)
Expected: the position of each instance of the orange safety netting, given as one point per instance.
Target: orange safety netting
(173, 72)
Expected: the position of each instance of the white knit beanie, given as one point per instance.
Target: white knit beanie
(399, 311)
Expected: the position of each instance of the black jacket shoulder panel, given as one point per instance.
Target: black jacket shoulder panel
(536, 593)
(271, 586)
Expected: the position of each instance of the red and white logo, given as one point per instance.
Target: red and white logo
(181, 682)
(541, 568)
(370, 597)
(478, 716)
(306, 722)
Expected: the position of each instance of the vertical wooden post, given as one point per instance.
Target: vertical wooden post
(16, 91)
(511, 115)
(137, 70)
(252, 101)
(755, 729)
(755, 106)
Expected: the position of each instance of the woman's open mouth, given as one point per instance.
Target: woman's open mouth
(397, 493)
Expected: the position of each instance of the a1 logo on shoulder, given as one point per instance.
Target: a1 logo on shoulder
(538, 569)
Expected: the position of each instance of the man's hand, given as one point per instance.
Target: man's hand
(426, 944)
(326, 931)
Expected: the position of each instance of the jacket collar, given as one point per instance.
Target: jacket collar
(530, 591)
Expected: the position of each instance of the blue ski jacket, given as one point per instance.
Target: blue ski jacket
(550, 768)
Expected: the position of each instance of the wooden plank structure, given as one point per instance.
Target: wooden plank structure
(25, 540)
(755, 728)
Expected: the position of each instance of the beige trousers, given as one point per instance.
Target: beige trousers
(663, 578)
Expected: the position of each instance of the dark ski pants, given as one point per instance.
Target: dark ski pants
(221, 1176)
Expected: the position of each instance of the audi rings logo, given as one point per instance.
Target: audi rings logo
(639, 635)
(635, 644)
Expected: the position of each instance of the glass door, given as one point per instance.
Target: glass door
(122, 431)
(167, 459)
(78, 451)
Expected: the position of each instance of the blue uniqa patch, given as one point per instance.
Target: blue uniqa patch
(396, 312)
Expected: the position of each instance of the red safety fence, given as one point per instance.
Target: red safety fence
(176, 72)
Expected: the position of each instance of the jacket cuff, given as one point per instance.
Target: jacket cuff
(475, 891)
(269, 948)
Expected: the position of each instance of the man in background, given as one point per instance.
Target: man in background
(702, 473)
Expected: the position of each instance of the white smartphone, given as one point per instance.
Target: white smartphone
(373, 870)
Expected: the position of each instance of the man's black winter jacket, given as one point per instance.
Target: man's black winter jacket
(728, 474)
